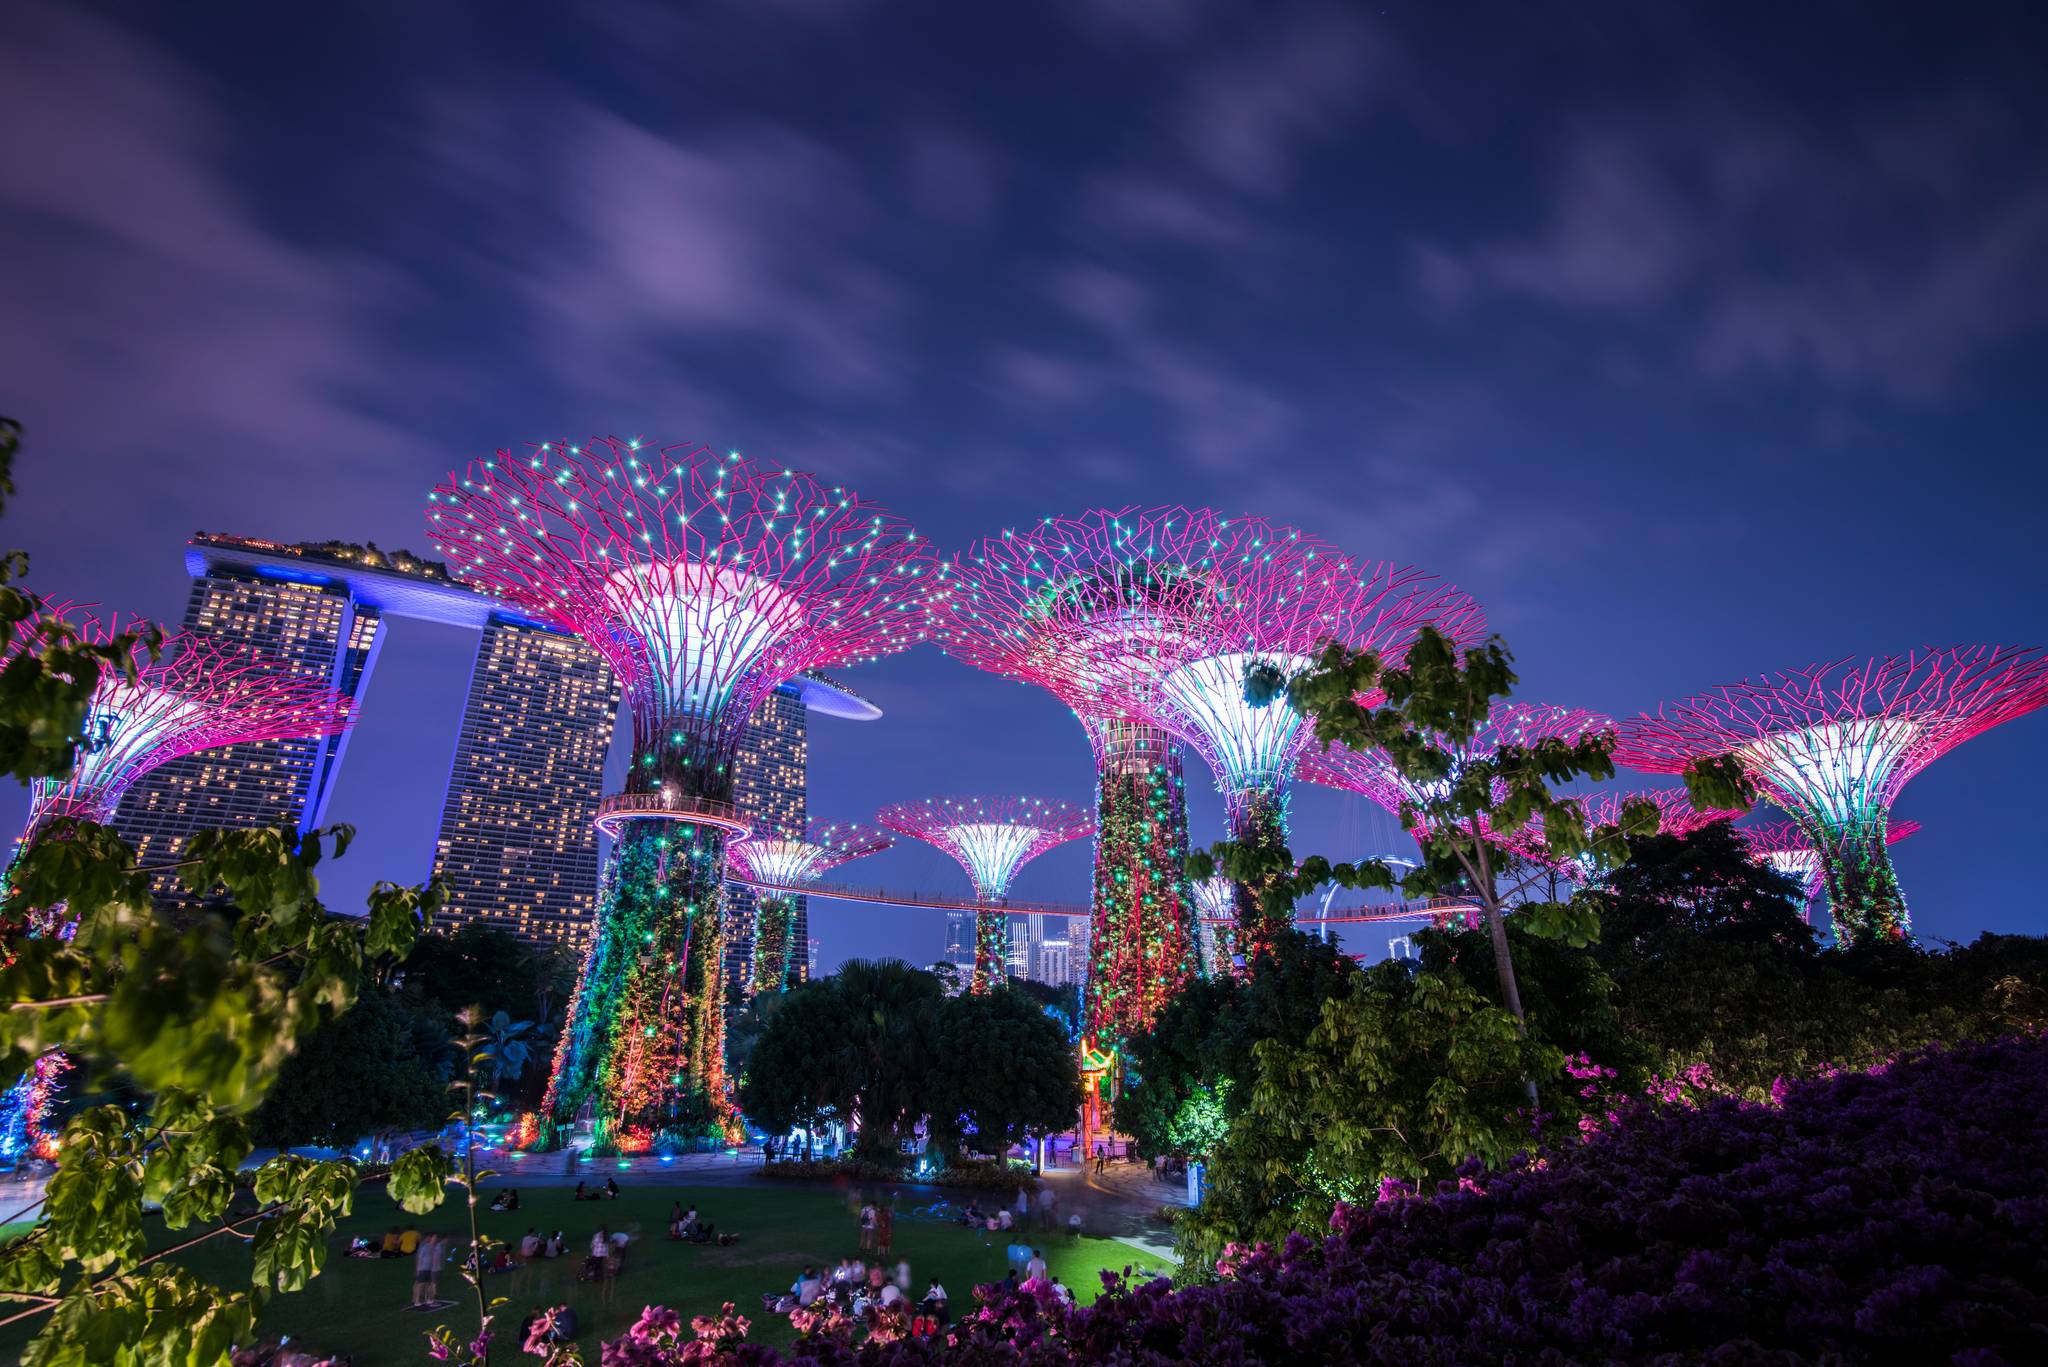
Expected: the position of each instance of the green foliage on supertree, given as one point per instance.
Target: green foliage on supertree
(774, 926)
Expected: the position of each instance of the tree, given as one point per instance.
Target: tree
(893, 1008)
(1194, 1069)
(510, 1046)
(1002, 1069)
(1406, 1075)
(801, 1071)
(1467, 795)
(482, 966)
(380, 1065)
(195, 1017)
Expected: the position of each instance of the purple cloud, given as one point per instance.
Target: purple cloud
(1245, 112)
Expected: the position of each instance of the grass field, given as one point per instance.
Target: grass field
(358, 1306)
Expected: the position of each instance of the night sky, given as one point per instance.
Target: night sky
(1691, 340)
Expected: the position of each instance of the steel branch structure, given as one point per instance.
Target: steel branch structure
(197, 695)
(1153, 616)
(1675, 816)
(706, 581)
(1786, 847)
(1831, 746)
(1216, 900)
(780, 864)
(991, 838)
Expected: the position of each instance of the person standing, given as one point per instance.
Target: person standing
(426, 1269)
(867, 1227)
(885, 1228)
(1046, 1201)
(1034, 1269)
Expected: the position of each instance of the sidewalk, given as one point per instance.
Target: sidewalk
(1123, 1202)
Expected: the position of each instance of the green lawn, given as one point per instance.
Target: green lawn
(358, 1306)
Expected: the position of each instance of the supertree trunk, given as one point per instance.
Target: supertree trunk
(1258, 823)
(644, 1038)
(991, 949)
(1864, 900)
(1143, 943)
(774, 919)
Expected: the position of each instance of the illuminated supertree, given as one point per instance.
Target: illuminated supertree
(1216, 902)
(1786, 847)
(1143, 935)
(705, 581)
(196, 695)
(1831, 746)
(777, 868)
(1153, 616)
(991, 838)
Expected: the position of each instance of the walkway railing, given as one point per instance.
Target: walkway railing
(933, 901)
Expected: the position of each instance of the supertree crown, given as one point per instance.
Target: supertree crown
(705, 580)
(1217, 898)
(1154, 614)
(196, 695)
(1791, 851)
(990, 837)
(1675, 816)
(1834, 743)
(1371, 772)
(787, 863)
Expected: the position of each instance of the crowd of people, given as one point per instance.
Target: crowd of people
(1001, 1218)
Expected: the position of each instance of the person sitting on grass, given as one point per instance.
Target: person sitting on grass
(582, 1194)
(529, 1247)
(409, 1241)
(1063, 1294)
(360, 1247)
(611, 1189)
(555, 1245)
(934, 1302)
(390, 1245)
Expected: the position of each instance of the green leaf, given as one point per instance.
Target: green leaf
(419, 1178)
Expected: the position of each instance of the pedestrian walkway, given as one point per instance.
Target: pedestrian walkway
(1123, 1201)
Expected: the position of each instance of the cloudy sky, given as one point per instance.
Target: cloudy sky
(1694, 341)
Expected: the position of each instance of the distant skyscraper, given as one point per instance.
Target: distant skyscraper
(771, 787)
(517, 847)
(538, 714)
(960, 940)
(312, 628)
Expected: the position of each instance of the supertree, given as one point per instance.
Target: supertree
(195, 694)
(1786, 847)
(1143, 935)
(778, 868)
(991, 838)
(1831, 745)
(705, 581)
(1155, 615)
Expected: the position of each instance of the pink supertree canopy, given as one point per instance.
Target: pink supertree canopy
(1831, 745)
(1676, 815)
(705, 580)
(782, 863)
(991, 838)
(197, 695)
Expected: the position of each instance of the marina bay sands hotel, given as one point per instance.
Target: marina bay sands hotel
(516, 845)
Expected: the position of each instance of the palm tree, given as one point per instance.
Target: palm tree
(507, 1046)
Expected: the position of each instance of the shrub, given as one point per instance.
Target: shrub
(1894, 1215)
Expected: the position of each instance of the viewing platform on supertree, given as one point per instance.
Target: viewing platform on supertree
(1154, 616)
(991, 838)
(1832, 745)
(705, 581)
(782, 864)
(1786, 847)
(196, 695)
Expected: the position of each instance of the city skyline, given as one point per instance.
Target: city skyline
(1666, 372)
